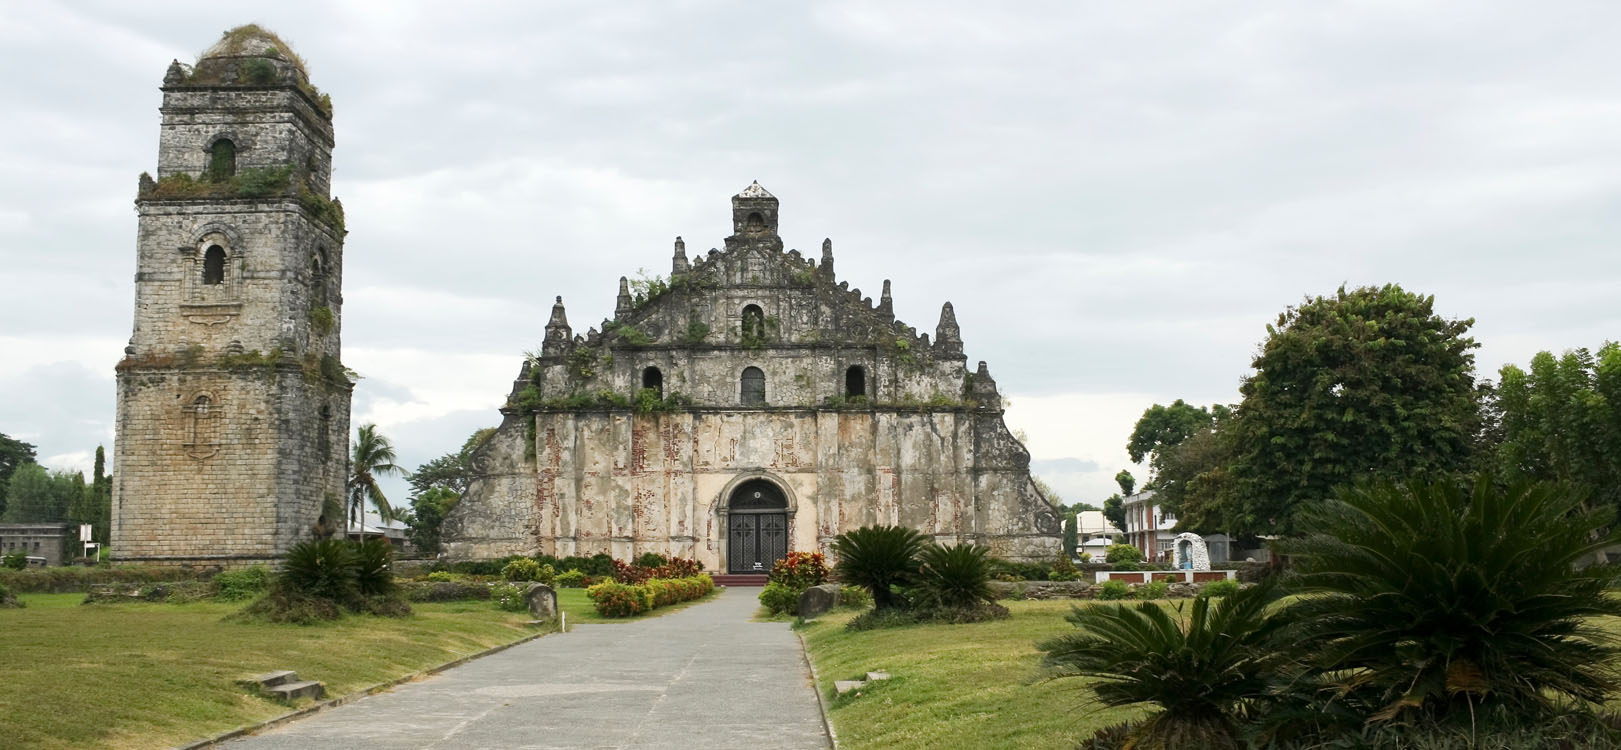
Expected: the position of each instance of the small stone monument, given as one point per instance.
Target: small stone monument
(1191, 553)
(542, 602)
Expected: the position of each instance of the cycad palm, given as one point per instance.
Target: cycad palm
(1203, 669)
(373, 457)
(1426, 598)
(877, 558)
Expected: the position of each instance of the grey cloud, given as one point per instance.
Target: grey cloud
(1114, 197)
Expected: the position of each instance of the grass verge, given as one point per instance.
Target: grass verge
(954, 685)
(157, 675)
(581, 611)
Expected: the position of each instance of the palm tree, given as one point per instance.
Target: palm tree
(877, 558)
(373, 457)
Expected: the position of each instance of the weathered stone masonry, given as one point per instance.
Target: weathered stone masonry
(763, 390)
(233, 406)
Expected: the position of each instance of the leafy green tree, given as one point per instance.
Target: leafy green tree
(1562, 421)
(452, 471)
(428, 511)
(1072, 536)
(1126, 481)
(1190, 477)
(1369, 382)
(13, 454)
(373, 456)
(39, 496)
(1163, 426)
(1114, 509)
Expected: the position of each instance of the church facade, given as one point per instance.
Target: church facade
(751, 405)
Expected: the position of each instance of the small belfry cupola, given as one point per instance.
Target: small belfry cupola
(754, 218)
(558, 333)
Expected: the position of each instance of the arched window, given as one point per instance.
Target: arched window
(318, 278)
(221, 159)
(753, 323)
(755, 224)
(855, 381)
(214, 265)
(753, 386)
(652, 378)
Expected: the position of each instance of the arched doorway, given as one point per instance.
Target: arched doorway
(757, 533)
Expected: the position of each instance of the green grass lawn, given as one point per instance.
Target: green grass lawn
(955, 686)
(156, 675)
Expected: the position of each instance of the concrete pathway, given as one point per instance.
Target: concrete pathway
(704, 677)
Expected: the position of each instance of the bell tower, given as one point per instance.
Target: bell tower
(233, 402)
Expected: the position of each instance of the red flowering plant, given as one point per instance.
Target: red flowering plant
(800, 570)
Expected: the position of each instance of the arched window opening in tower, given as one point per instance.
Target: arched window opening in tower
(214, 265)
(855, 382)
(753, 323)
(755, 224)
(753, 386)
(222, 159)
(652, 378)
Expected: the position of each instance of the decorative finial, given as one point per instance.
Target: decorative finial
(827, 258)
(679, 264)
(947, 336)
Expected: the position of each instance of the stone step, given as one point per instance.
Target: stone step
(271, 679)
(844, 686)
(875, 676)
(740, 579)
(295, 690)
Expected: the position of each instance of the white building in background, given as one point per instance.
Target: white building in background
(1090, 524)
(1147, 527)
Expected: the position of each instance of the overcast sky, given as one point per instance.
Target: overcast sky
(1117, 198)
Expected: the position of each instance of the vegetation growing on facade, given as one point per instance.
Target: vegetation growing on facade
(259, 46)
(627, 333)
(321, 320)
(695, 334)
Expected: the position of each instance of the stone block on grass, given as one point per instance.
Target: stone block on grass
(818, 600)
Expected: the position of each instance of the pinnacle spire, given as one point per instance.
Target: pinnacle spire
(947, 336)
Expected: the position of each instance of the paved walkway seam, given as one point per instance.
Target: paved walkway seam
(816, 685)
(313, 708)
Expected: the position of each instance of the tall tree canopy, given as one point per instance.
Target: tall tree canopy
(13, 453)
(1562, 420)
(1369, 382)
(452, 471)
(1162, 426)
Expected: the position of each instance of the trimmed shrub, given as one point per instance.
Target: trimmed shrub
(630, 574)
(443, 576)
(1119, 553)
(521, 569)
(1155, 590)
(614, 599)
(247, 583)
(75, 579)
(572, 579)
(1219, 588)
(509, 597)
(1114, 589)
(780, 598)
(443, 591)
(1008, 570)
